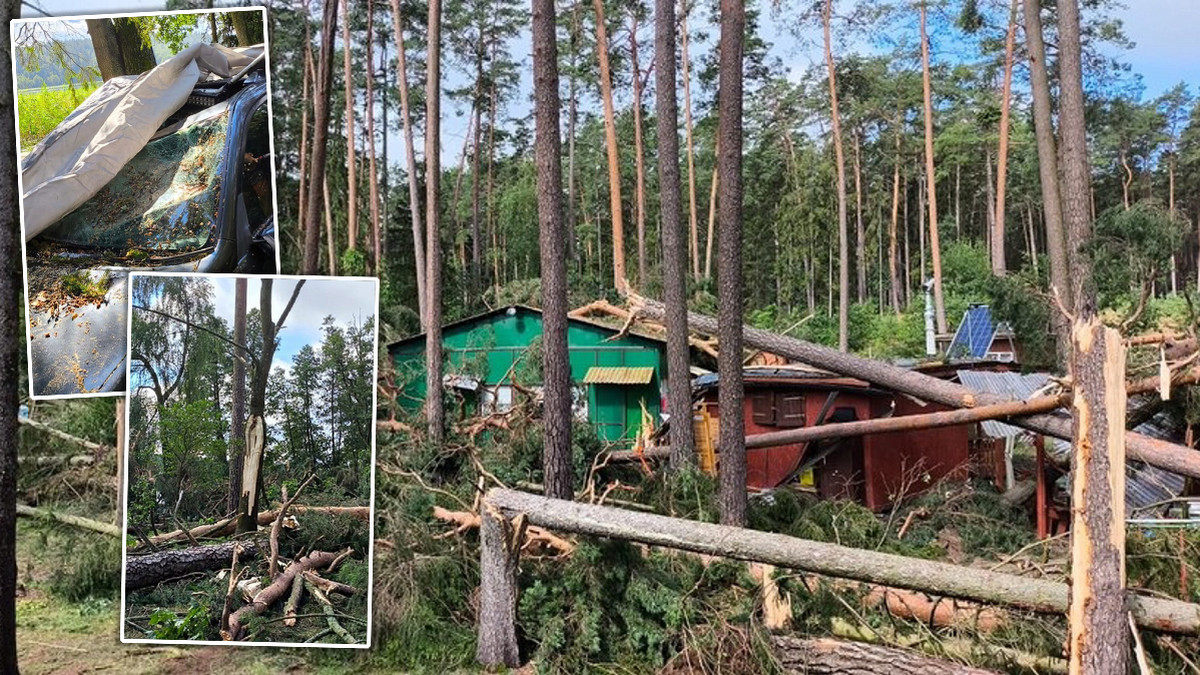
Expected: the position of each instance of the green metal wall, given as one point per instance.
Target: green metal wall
(490, 345)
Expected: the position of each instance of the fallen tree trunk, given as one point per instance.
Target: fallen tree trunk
(1040, 595)
(67, 519)
(1170, 456)
(227, 526)
(97, 448)
(271, 594)
(948, 418)
(73, 461)
(146, 570)
(827, 656)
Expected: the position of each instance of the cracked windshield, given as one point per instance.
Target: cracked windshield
(165, 200)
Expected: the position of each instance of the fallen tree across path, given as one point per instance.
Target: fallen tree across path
(827, 656)
(227, 526)
(67, 519)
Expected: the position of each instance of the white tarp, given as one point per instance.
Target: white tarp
(96, 141)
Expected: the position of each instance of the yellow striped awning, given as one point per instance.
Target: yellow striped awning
(619, 375)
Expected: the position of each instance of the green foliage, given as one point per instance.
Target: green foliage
(80, 284)
(191, 626)
(1131, 247)
(41, 111)
(92, 571)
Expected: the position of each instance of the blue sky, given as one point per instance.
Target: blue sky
(1163, 31)
(348, 301)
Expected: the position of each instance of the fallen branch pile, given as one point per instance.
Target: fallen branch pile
(275, 591)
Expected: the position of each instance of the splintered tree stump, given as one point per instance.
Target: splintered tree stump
(146, 570)
(826, 656)
(273, 593)
(1099, 637)
(500, 548)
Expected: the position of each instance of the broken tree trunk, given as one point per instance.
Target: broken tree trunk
(146, 570)
(1039, 595)
(227, 526)
(500, 544)
(827, 656)
(269, 595)
(97, 448)
(1099, 637)
(72, 461)
(67, 519)
(1165, 455)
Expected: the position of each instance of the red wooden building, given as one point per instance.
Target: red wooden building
(874, 470)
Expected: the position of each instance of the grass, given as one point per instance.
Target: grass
(41, 111)
(81, 285)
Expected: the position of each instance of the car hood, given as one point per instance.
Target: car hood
(77, 346)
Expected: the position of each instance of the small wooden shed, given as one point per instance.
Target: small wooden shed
(875, 470)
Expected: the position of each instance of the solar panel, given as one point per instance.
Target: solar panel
(974, 335)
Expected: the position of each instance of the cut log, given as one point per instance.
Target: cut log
(226, 527)
(1170, 456)
(827, 656)
(146, 570)
(67, 519)
(271, 594)
(96, 448)
(1040, 595)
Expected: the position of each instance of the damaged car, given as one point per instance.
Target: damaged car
(186, 187)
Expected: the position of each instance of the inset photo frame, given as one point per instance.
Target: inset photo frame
(145, 143)
(250, 465)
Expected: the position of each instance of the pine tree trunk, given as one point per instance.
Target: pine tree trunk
(675, 248)
(732, 465)
(1076, 172)
(572, 115)
(1099, 636)
(610, 138)
(826, 656)
(237, 426)
(410, 156)
(687, 129)
(307, 77)
(999, 268)
(12, 332)
(893, 274)
(321, 102)
(434, 406)
(638, 154)
(843, 234)
(476, 267)
(556, 457)
(712, 213)
(330, 246)
(860, 231)
(372, 175)
(351, 162)
(931, 182)
(1056, 245)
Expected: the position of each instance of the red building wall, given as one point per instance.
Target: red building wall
(903, 463)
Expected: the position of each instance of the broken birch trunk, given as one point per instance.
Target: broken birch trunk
(1099, 636)
(251, 461)
(146, 570)
(1170, 456)
(826, 656)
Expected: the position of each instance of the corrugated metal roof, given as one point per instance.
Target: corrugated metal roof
(1145, 485)
(619, 375)
(1015, 386)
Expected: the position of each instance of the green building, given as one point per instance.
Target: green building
(490, 356)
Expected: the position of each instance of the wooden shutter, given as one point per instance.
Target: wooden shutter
(762, 407)
(791, 409)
